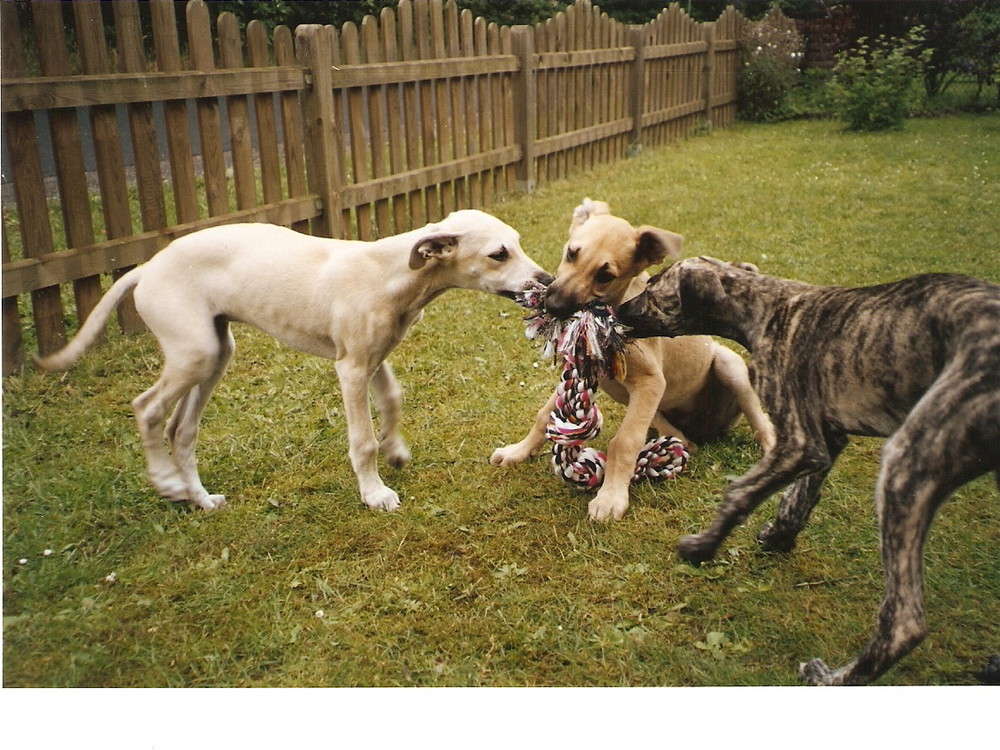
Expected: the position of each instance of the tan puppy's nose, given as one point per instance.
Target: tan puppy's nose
(559, 304)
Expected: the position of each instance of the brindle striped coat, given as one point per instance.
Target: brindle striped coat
(917, 361)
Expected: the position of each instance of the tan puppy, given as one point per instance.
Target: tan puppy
(689, 387)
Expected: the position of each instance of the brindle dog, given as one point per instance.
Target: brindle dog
(917, 361)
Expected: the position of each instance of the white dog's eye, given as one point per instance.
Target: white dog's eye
(571, 253)
(604, 276)
(500, 255)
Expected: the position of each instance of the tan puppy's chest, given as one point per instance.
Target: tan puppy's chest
(685, 364)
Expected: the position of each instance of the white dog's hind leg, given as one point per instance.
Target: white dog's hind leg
(355, 379)
(150, 409)
(389, 402)
(182, 429)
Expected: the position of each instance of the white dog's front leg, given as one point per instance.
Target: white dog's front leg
(354, 382)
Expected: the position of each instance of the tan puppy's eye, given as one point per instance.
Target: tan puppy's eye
(604, 276)
(500, 255)
(571, 253)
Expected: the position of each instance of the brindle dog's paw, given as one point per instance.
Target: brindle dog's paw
(696, 549)
(771, 540)
(816, 672)
(990, 674)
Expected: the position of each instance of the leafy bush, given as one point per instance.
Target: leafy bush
(979, 48)
(770, 57)
(875, 86)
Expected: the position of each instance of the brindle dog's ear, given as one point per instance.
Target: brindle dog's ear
(699, 288)
(654, 246)
(432, 246)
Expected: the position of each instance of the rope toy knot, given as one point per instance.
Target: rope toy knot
(592, 344)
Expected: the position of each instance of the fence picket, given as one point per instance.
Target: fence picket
(145, 148)
(238, 115)
(70, 170)
(486, 123)
(413, 113)
(95, 59)
(29, 197)
(442, 88)
(209, 121)
(374, 55)
(263, 107)
(291, 124)
(428, 109)
(467, 48)
(175, 113)
(357, 127)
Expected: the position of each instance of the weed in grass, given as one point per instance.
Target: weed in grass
(492, 576)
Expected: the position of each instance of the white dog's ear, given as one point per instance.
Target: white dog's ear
(587, 209)
(432, 246)
(653, 246)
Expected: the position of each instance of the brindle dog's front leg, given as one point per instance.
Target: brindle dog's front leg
(787, 462)
(797, 502)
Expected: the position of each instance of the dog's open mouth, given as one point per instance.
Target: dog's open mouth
(533, 289)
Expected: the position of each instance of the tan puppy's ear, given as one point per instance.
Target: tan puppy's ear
(587, 209)
(432, 246)
(654, 246)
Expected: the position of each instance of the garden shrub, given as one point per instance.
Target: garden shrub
(770, 57)
(979, 47)
(875, 86)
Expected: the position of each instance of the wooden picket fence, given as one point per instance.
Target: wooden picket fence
(362, 132)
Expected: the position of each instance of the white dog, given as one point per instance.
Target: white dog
(350, 301)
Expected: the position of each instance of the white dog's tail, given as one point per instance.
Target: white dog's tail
(92, 326)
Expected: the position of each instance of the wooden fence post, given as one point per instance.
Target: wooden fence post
(321, 137)
(525, 129)
(637, 90)
(708, 30)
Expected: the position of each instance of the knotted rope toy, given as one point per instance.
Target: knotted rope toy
(592, 345)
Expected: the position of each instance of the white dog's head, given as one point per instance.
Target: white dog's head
(474, 250)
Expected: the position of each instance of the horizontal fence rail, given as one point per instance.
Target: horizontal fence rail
(363, 131)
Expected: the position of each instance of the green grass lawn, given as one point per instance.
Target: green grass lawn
(492, 576)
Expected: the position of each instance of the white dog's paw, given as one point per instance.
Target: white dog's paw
(170, 487)
(396, 454)
(606, 506)
(211, 502)
(510, 455)
(381, 499)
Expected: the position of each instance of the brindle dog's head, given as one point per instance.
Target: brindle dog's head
(690, 297)
(603, 256)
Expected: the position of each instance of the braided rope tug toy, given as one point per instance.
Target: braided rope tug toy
(592, 344)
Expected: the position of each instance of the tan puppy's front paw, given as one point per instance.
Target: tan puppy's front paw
(607, 506)
(510, 455)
